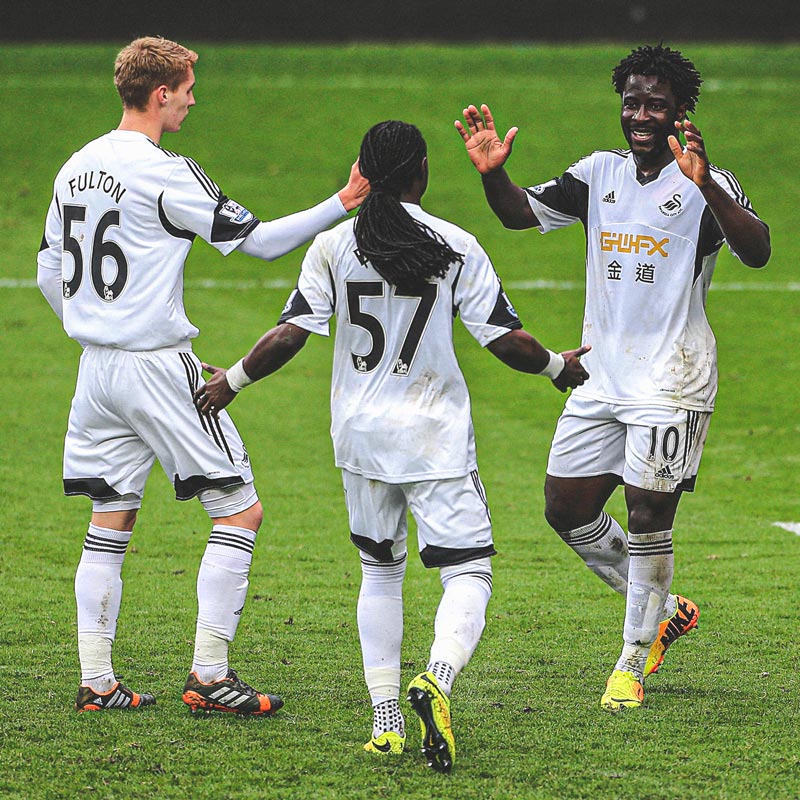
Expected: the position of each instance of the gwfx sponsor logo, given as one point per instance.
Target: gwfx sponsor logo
(633, 243)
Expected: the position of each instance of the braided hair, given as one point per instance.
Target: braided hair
(403, 250)
(667, 65)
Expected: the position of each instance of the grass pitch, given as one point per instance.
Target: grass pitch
(278, 128)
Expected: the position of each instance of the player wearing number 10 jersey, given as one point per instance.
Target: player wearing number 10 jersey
(395, 279)
(124, 214)
(655, 217)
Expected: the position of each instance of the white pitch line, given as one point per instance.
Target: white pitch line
(517, 286)
(792, 527)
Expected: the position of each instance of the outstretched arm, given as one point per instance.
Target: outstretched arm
(489, 155)
(520, 351)
(274, 349)
(275, 238)
(747, 235)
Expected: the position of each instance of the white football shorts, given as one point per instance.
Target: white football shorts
(131, 408)
(657, 448)
(452, 516)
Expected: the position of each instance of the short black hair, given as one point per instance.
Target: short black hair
(403, 250)
(667, 65)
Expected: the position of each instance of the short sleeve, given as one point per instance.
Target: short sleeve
(478, 296)
(311, 304)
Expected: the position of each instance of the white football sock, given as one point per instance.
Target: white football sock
(604, 549)
(98, 593)
(444, 673)
(387, 716)
(380, 626)
(460, 618)
(210, 660)
(222, 583)
(650, 577)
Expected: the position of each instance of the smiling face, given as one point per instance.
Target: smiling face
(649, 113)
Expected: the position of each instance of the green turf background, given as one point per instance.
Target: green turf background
(278, 127)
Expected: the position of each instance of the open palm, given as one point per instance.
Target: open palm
(484, 147)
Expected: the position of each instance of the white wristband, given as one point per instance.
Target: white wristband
(237, 377)
(554, 366)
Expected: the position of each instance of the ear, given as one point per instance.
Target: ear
(681, 112)
(160, 93)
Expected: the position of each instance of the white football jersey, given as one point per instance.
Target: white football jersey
(122, 220)
(651, 252)
(400, 409)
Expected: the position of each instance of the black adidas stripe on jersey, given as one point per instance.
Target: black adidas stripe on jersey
(735, 186)
(208, 185)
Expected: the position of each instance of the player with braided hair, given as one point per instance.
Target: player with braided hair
(405, 251)
(655, 218)
(401, 424)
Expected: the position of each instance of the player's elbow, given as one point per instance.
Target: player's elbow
(757, 258)
(513, 224)
(763, 256)
(759, 252)
(518, 217)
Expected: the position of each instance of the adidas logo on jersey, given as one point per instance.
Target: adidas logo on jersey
(665, 472)
(610, 198)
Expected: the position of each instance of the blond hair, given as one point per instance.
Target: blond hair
(149, 62)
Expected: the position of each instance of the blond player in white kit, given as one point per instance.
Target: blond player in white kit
(395, 278)
(655, 218)
(122, 220)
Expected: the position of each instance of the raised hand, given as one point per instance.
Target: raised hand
(213, 396)
(484, 147)
(573, 373)
(692, 159)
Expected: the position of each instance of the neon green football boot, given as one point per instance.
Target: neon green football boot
(388, 743)
(623, 690)
(432, 706)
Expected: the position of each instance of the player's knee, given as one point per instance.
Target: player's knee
(114, 516)
(559, 511)
(251, 518)
(651, 511)
(573, 503)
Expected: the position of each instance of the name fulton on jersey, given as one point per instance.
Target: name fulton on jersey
(100, 180)
(121, 222)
